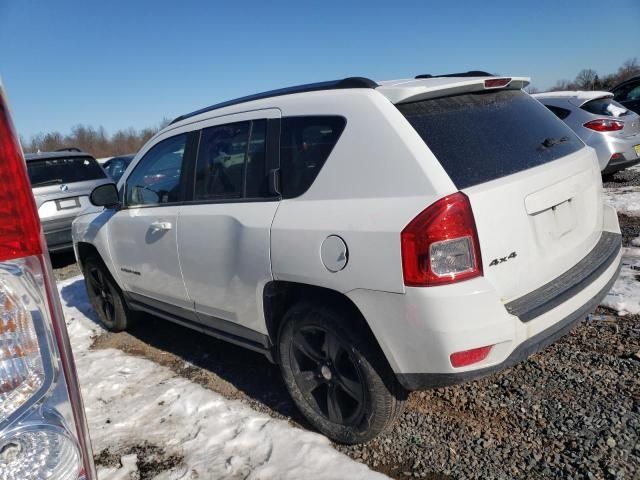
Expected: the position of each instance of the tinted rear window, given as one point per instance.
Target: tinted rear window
(605, 106)
(63, 170)
(478, 137)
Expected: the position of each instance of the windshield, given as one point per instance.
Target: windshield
(63, 170)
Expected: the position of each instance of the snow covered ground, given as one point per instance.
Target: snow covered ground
(624, 297)
(132, 401)
(625, 294)
(624, 199)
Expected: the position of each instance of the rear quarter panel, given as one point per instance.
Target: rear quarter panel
(378, 177)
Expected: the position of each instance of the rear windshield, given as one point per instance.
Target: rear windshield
(63, 170)
(605, 106)
(478, 137)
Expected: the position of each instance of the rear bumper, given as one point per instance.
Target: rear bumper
(57, 234)
(607, 145)
(424, 381)
(617, 165)
(420, 329)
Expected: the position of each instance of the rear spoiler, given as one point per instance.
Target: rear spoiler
(578, 98)
(418, 89)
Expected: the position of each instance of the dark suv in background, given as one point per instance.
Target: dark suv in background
(61, 183)
(628, 94)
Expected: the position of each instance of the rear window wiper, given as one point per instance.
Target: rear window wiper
(552, 142)
(47, 182)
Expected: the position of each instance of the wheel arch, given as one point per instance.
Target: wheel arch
(85, 250)
(280, 295)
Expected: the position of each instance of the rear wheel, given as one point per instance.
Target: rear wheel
(105, 296)
(336, 377)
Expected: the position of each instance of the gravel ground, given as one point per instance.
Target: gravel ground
(571, 411)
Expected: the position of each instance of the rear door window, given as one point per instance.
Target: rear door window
(605, 107)
(220, 167)
(63, 170)
(305, 144)
(478, 137)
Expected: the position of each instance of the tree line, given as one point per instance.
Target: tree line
(100, 144)
(95, 141)
(589, 79)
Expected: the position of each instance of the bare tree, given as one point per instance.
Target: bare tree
(629, 69)
(586, 79)
(563, 85)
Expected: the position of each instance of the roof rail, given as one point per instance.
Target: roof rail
(69, 149)
(470, 73)
(345, 83)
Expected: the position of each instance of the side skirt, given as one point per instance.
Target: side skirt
(223, 329)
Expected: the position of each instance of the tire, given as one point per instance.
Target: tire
(336, 375)
(105, 296)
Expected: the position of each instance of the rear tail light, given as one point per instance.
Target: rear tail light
(441, 245)
(604, 125)
(616, 157)
(43, 431)
(469, 357)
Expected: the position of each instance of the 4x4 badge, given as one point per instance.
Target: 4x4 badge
(496, 261)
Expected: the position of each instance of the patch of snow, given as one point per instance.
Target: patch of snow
(624, 297)
(132, 401)
(636, 242)
(624, 199)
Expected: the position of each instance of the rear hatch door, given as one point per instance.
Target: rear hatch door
(534, 187)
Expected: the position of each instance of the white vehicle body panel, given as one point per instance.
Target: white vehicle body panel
(144, 248)
(226, 273)
(550, 215)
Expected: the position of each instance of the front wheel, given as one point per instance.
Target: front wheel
(336, 376)
(105, 296)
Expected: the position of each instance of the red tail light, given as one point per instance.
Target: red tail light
(605, 125)
(441, 245)
(19, 224)
(43, 430)
(469, 357)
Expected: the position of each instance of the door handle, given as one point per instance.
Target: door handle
(155, 226)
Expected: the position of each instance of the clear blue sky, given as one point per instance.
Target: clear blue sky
(130, 63)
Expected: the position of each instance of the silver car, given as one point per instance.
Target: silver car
(61, 183)
(602, 123)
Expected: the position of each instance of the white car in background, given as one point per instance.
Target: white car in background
(601, 123)
(370, 238)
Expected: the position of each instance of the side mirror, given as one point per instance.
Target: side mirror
(105, 196)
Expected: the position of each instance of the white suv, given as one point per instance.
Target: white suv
(370, 238)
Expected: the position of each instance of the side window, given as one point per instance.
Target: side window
(305, 144)
(221, 161)
(561, 113)
(231, 162)
(632, 94)
(156, 179)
